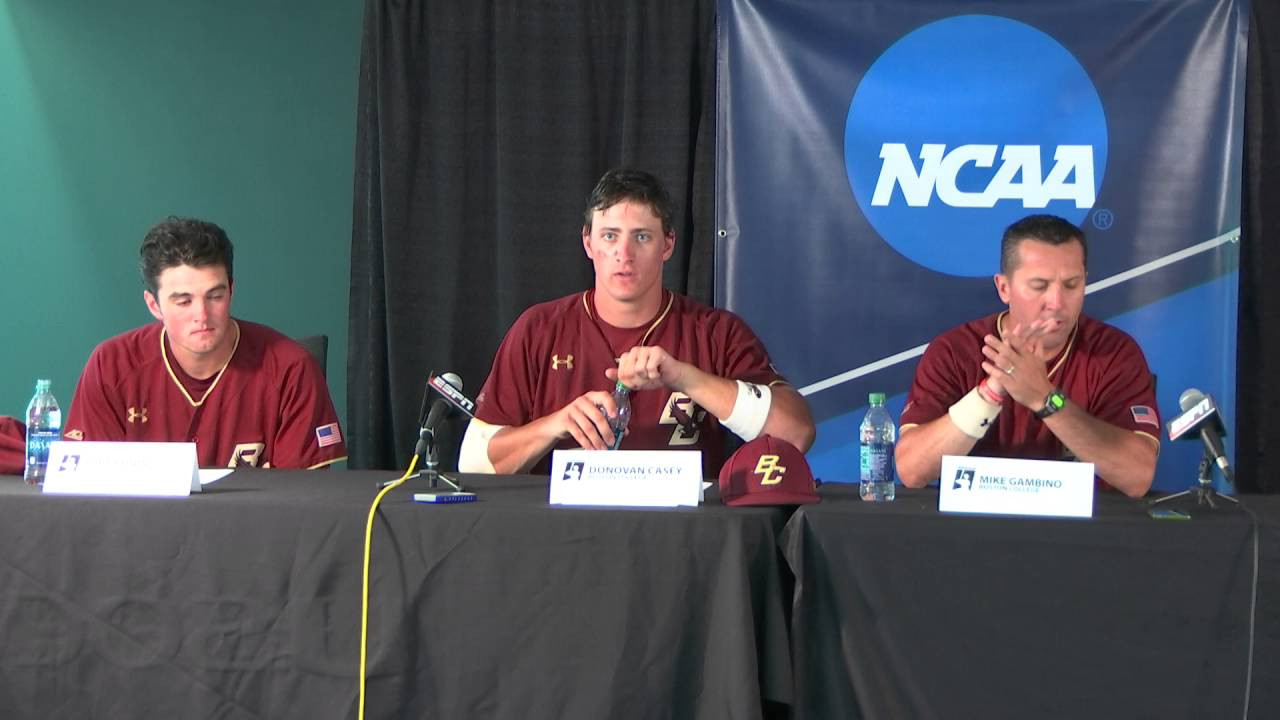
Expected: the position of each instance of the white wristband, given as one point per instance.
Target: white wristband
(473, 457)
(750, 410)
(973, 414)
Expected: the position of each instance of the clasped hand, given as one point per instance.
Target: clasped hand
(1014, 366)
(586, 419)
(646, 367)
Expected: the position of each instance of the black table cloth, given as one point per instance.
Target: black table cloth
(903, 612)
(243, 602)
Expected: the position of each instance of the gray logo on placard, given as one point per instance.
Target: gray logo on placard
(69, 463)
(573, 472)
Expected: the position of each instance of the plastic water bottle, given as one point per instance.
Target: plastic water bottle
(876, 436)
(44, 425)
(618, 424)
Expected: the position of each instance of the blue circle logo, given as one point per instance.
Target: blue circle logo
(964, 126)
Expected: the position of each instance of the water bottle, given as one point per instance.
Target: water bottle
(876, 436)
(618, 424)
(44, 425)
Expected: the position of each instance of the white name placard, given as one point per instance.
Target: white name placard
(149, 469)
(626, 478)
(1010, 486)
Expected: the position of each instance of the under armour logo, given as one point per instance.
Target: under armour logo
(767, 466)
(754, 390)
(135, 415)
(556, 362)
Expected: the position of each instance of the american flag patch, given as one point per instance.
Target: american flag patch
(328, 435)
(1144, 414)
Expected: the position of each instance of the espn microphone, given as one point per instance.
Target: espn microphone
(441, 407)
(449, 387)
(1199, 413)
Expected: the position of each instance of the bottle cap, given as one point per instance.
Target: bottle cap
(619, 387)
(876, 399)
(43, 384)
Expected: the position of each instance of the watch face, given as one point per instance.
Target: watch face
(1052, 404)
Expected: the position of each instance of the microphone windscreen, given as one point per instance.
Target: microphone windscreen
(454, 380)
(1190, 398)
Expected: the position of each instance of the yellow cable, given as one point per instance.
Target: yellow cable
(364, 599)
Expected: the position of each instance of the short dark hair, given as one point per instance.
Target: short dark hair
(183, 241)
(1049, 229)
(622, 184)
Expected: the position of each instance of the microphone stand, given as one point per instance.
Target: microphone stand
(1203, 491)
(431, 462)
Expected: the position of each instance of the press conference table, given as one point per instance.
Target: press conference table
(903, 612)
(243, 602)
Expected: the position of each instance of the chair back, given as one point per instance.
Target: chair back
(318, 346)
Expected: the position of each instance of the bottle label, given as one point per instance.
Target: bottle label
(38, 444)
(619, 422)
(877, 462)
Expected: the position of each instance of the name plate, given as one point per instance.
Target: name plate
(138, 469)
(1011, 486)
(626, 478)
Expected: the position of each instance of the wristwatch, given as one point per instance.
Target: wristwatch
(1053, 402)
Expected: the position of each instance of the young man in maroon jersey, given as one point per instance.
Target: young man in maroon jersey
(1038, 380)
(244, 393)
(693, 370)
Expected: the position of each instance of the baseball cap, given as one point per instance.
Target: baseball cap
(767, 471)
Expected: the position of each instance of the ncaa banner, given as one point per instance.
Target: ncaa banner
(871, 152)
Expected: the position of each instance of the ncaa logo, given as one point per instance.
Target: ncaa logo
(962, 127)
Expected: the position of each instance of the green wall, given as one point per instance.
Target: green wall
(115, 114)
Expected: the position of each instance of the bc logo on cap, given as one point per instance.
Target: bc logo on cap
(962, 127)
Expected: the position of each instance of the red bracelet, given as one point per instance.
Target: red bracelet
(988, 394)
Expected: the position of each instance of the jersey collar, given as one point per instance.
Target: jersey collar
(589, 305)
(164, 353)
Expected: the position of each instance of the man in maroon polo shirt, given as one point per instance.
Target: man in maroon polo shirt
(244, 393)
(1039, 380)
(693, 370)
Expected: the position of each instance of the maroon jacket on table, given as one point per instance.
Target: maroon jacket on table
(13, 446)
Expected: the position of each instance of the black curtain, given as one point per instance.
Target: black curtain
(482, 127)
(1258, 348)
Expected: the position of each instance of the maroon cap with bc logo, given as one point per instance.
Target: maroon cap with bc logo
(767, 471)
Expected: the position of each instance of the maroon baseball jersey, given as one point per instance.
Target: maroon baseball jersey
(1101, 369)
(559, 350)
(268, 407)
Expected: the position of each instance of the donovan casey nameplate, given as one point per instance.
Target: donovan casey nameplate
(1009, 486)
(143, 469)
(629, 478)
